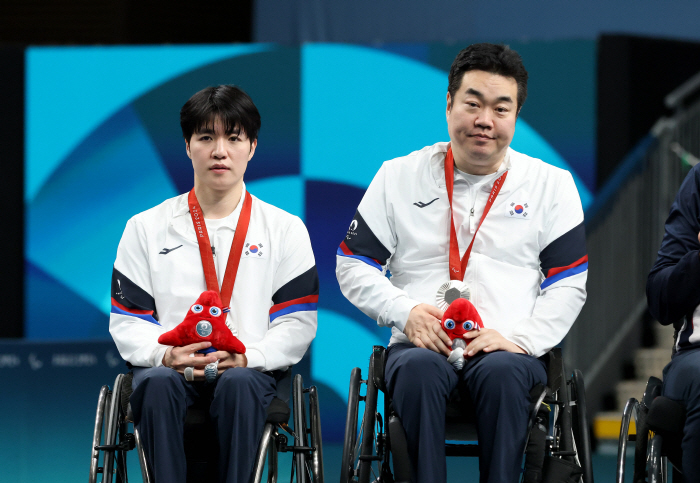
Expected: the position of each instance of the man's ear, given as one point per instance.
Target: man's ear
(187, 149)
(449, 104)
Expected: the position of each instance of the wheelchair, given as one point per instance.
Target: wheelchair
(558, 444)
(115, 435)
(657, 437)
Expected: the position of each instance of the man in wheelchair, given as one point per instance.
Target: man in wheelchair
(470, 218)
(674, 298)
(218, 235)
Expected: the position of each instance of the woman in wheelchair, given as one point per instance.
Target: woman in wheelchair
(255, 257)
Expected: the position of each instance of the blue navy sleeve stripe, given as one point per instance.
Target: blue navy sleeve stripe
(565, 250)
(369, 261)
(360, 241)
(146, 317)
(304, 285)
(130, 295)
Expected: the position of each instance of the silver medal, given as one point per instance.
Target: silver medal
(451, 291)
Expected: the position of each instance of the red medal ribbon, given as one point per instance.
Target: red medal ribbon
(234, 257)
(457, 268)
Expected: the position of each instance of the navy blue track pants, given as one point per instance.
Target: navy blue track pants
(238, 409)
(682, 384)
(421, 381)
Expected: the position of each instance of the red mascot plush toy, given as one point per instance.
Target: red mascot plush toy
(460, 317)
(205, 321)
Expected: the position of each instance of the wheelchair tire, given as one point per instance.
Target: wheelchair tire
(359, 444)
(103, 400)
(580, 425)
(111, 436)
(347, 464)
(366, 453)
(316, 460)
(112, 430)
(300, 429)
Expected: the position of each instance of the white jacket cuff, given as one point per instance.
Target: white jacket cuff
(396, 312)
(524, 343)
(256, 359)
(159, 354)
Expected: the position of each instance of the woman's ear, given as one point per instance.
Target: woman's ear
(254, 145)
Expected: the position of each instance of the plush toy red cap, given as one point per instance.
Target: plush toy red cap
(454, 321)
(205, 321)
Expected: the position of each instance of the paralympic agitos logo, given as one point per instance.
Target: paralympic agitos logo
(351, 230)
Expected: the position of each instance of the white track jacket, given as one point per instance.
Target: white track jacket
(528, 267)
(158, 275)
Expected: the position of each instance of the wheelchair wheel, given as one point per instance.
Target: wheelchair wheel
(316, 442)
(359, 447)
(103, 401)
(300, 428)
(631, 408)
(110, 422)
(347, 464)
(580, 425)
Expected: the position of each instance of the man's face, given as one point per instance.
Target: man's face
(481, 120)
(219, 159)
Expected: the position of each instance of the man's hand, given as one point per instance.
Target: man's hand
(423, 329)
(228, 360)
(180, 358)
(489, 340)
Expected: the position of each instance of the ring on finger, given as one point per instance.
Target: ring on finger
(189, 374)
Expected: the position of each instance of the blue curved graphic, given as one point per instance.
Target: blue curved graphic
(286, 192)
(72, 90)
(526, 140)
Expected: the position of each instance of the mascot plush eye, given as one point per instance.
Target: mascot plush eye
(215, 311)
(449, 324)
(468, 325)
(196, 308)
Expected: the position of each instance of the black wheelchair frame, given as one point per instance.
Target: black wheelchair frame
(558, 439)
(115, 435)
(657, 437)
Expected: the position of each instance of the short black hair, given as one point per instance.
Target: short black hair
(493, 58)
(228, 103)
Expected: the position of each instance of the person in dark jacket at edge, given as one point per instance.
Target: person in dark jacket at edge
(673, 295)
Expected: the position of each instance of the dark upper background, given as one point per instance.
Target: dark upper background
(645, 49)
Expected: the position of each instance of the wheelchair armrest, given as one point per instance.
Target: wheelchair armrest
(378, 361)
(652, 391)
(666, 417)
(554, 361)
(278, 411)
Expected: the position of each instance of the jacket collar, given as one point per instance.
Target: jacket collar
(437, 167)
(182, 221)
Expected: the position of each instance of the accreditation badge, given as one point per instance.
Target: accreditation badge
(451, 291)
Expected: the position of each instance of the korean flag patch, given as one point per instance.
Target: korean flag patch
(518, 209)
(257, 249)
